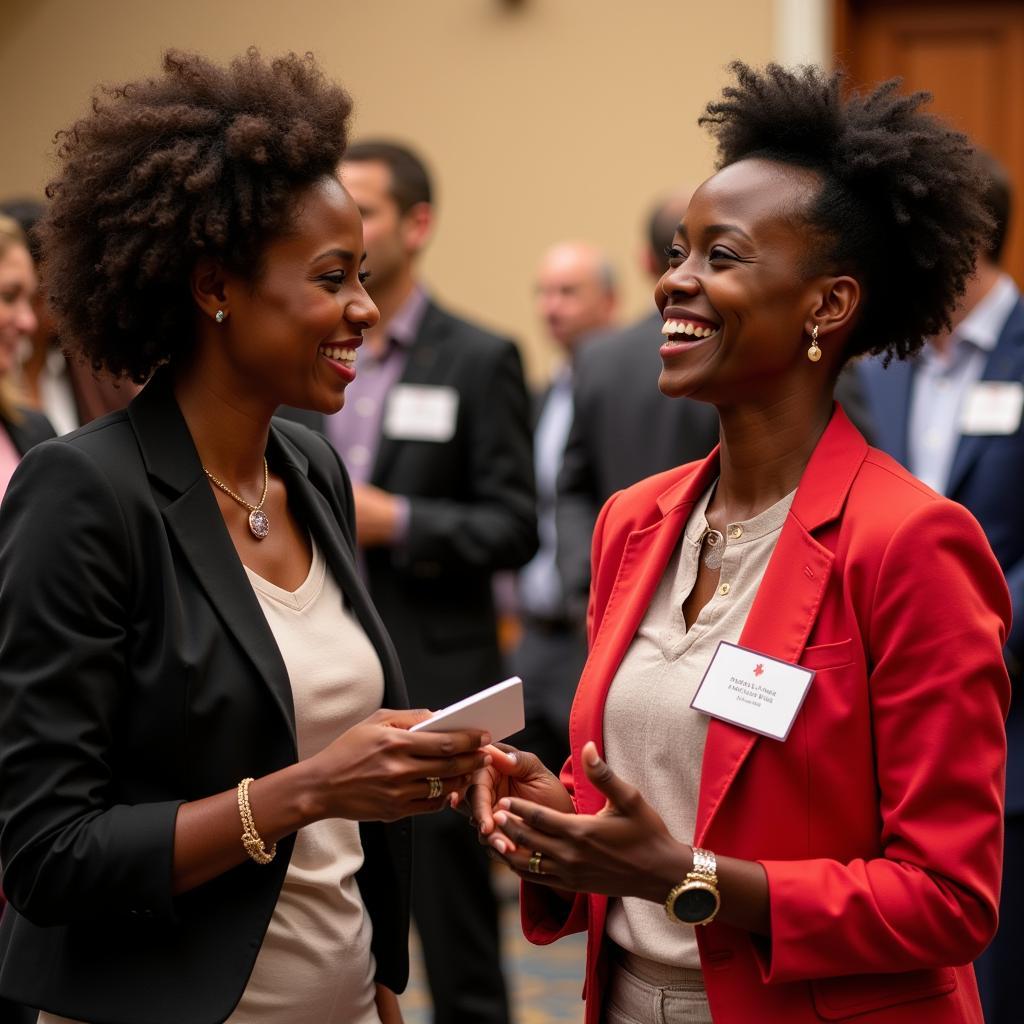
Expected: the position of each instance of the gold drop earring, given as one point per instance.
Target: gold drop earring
(814, 353)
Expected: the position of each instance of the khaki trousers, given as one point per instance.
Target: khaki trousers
(643, 992)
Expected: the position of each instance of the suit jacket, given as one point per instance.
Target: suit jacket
(987, 477)
(472, 511)
(33, 429)
(878, 820)
(624, 429)
(137, 671)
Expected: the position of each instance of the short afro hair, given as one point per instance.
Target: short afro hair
(902, 203)
(203, 160)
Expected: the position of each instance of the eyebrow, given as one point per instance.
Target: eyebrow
(341, 254)
(717, 229)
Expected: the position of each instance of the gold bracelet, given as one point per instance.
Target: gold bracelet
(250, 837)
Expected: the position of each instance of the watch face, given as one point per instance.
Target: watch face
(695, 904)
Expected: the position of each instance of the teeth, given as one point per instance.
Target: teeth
(341, 355)
(685, 327)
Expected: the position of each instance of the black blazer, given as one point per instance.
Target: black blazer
(472, 511)
(33, 429)
(137, 671)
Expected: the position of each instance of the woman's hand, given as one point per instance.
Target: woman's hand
(510, 773)
(387, 1006)
(624, 850)
(379, 771)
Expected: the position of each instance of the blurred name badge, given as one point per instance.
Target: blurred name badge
(993, 407)
(420, 412)
(751, 690)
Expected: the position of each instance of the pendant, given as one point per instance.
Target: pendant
(715, 543)
(259, 524)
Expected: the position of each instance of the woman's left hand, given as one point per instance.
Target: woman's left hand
(387, 1006)
(624, 850)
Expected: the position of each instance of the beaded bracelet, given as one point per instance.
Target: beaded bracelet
(250, 837)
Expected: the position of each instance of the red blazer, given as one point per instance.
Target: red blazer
(879, 819)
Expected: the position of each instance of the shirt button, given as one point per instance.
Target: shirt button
(724, 589)
(735, 532)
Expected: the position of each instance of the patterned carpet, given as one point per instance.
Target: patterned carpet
(545, 981)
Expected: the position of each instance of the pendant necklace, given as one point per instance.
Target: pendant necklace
(259, 522)
(714, 545)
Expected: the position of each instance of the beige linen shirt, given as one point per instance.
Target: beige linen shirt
(653, 738)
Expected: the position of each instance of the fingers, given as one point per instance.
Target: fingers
(449, 767)
(447, 744)
(620, 794)
(421, 802)
(404, 719)
(538, 818)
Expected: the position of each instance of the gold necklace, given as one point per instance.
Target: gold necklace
(259, 522)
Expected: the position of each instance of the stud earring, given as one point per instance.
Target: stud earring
(814, 353)
(221, 316)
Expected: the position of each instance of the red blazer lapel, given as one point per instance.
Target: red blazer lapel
(641, 565)
(789, 597)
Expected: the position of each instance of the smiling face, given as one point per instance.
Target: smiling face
(736, 299)
(291, 336)
(17, 317)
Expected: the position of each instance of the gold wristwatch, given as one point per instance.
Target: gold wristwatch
(695, 900)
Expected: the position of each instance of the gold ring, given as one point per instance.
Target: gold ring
(534, 865)
(436, 787)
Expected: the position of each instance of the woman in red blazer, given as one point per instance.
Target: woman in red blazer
(850, 870)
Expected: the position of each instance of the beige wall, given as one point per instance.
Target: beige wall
(543, 119)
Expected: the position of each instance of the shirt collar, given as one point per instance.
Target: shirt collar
(405, 324)
(983, 325)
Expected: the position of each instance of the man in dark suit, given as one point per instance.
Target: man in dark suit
(575, 298)
(435, 434)
(625, 429)
(953, 417)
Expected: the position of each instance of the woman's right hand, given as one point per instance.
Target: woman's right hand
(511, 773)
(379, 771)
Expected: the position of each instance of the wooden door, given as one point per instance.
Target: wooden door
(970, 56)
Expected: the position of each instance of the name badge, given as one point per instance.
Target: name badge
(993, 407)
(421, 412)
(751, 690)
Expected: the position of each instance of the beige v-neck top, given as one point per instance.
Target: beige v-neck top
(315, 965)
(653, 738)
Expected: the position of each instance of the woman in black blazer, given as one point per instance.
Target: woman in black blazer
(197, 230)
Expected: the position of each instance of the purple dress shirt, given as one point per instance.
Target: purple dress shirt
(355, 429)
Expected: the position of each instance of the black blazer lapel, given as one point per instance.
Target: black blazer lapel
(420, 368)
(197, 526)
(328, 527)
(1004, 363)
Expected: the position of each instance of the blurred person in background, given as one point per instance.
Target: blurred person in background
(624, 429)
(575, 298)
(785, 796)
(20, 427)
(436, 436)
(68, 391)
(952, 416)
(204, 779)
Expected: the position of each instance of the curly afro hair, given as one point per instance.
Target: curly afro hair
(201, 161)
(902, 203)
